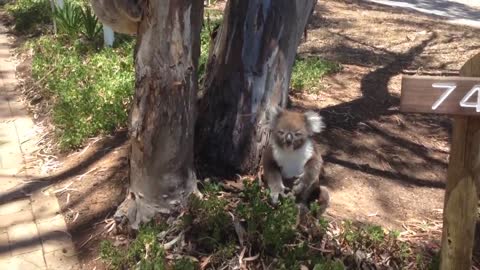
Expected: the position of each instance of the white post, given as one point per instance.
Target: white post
(59, 3)
(108, 36)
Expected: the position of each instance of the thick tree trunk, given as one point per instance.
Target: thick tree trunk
(163, 113)
(248, 71)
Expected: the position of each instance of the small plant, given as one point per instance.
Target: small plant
(375, 233)
(329, 265)
(30, 14)
(307, 72)
(211, 225)
(144, 252)
(268, 228)
(185, 264)
(91, 27)
(111, 255)
(69, 19)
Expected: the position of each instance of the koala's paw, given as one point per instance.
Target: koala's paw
(298, 187)
(275, 196)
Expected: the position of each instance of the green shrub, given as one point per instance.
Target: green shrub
(91, 89)
(29, 15)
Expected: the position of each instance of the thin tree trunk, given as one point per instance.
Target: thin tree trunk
(248, 71)
(163, 113)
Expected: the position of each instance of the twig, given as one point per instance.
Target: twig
(36, 83)
(88, 240)
(83, 175)
(68, 198)
(86, 148)
(170, 244)
(321, 249)
(76, 216)
(432, 72)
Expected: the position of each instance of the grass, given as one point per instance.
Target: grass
(307, 72)
(91, 88)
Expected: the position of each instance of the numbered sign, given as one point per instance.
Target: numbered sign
(442, 95)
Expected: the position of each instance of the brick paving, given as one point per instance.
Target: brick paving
(33, 233)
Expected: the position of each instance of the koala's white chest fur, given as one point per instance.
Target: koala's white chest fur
(291, 161)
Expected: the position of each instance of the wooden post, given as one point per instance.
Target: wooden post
(460, 209)
(460, 98)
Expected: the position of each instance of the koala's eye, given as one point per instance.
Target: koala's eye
(280, 132)
(298, 134)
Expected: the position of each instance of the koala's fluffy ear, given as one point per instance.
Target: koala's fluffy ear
(315, 121)
(273, 112)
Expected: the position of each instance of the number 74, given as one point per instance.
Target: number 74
(450, 87)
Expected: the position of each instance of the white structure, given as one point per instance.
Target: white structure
(59, 3)
(108, 36)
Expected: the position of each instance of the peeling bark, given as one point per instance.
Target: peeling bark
(248, 71)
(163, 112)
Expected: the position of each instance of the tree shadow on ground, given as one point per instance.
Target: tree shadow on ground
(37, 184)
(404, 161)
(96, 186)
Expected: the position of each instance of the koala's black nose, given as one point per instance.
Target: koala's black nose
(289, 138)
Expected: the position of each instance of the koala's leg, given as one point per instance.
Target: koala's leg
(323, 200)
(123, 16)
(274, 181)
(309, 181)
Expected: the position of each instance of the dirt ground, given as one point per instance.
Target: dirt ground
(382, 166)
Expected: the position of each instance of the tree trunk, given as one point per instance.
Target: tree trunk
(162, 116)
(248, 72)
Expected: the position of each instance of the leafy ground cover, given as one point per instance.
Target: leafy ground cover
(225, 231)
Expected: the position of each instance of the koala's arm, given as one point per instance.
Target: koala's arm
(309, 181)
(272, 175)
(123, 16)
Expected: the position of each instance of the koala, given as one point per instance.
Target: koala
(292, 159)
(123, 16)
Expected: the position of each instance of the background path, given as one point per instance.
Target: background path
(33, 233)
(462, 12)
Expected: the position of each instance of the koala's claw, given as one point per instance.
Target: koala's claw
(298, 187)
(274, 198)
(288, 195)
